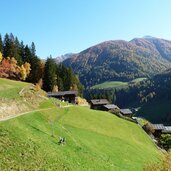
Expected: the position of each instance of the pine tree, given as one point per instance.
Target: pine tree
(27, 54)
(6, 45)
(17, 53)
(36, 64)
(59, 79)
(22, 51)
(9, 46)
(33, 49)
(67, 80)
(50, 77)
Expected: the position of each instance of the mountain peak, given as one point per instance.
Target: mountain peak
(61, 58)
(148, 37)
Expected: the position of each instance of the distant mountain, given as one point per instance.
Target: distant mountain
(61, 58)
(121, 60)
(160, 46)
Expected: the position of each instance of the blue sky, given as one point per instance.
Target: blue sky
(63, 26)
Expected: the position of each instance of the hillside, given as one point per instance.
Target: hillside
(121, 60)
(95, 140)
(152, 95)
(18, 97)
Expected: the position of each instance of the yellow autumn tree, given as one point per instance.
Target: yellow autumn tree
(55, 88)
(14, 67)
(27, 66)
(39, 85)
(23, 72)
(1, 57)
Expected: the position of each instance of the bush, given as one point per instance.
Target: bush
(165, 141)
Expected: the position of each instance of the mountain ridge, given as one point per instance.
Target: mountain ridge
(120, 60)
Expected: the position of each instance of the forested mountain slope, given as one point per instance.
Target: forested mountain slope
(152, 95)
(121, 60)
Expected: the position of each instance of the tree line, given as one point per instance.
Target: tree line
(58, 77)
(19, 61)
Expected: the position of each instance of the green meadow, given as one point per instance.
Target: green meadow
(95, 140)
(116, 84)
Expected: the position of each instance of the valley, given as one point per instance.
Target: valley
(85, 85)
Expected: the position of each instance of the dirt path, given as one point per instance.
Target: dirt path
(14, 116)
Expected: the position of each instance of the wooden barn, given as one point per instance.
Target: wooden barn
(126, 112)
(109, 107)
(69, 96)
(98, 104)
(158, 129)
(167, 130)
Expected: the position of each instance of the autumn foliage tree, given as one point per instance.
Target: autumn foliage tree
(31, 68)
(24, 71)
(0, 56)
(10, 69)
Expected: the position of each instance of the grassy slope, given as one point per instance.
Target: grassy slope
(110, 84)
(95, 141)
(13, 102)
(115, 84)
(10, 89)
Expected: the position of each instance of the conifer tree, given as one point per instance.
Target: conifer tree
(27, 54)
(33, 49)
(9, 46)
(6, 46)
(50, 77)
(22, 51)
(17, 53)
(36, 65)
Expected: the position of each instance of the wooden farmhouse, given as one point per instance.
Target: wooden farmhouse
(98, 104)
(167, 130)
(158, 129)
(110, 107)
(126, 112)
(69, 96)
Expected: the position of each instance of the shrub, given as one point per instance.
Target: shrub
(165, 141)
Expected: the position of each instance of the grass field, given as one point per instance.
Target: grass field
(110, 84)
(138, 80)
(10, 89)
(116, 84)
(95, 140)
